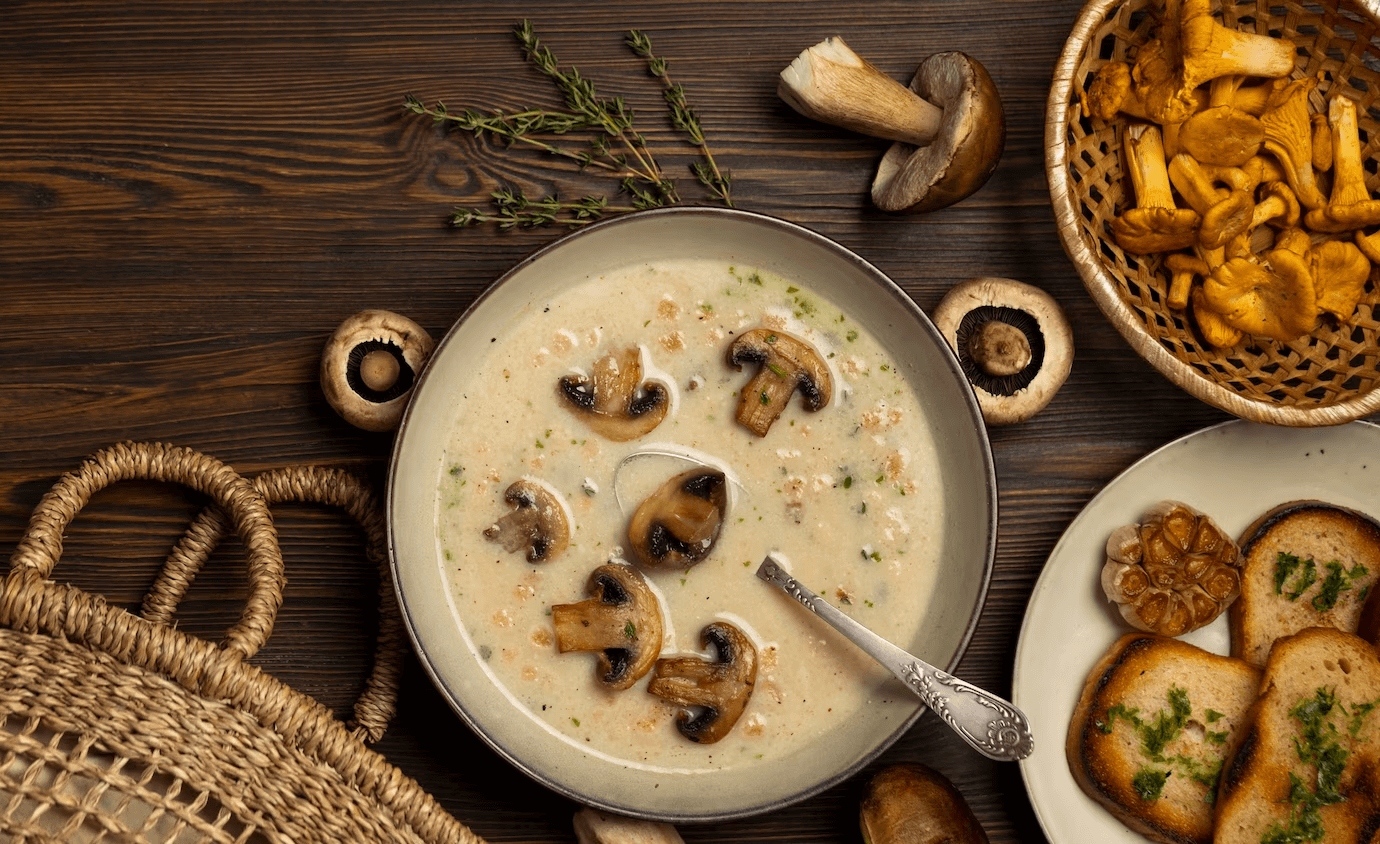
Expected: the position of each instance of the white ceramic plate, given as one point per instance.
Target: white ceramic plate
(1233, 472)
(736, 238)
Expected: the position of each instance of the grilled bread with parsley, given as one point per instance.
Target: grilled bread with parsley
(1155, 722)
(1304, 564)
(1308, 766)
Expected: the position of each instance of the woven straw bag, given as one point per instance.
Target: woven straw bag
(1326, 378)
(115, 727)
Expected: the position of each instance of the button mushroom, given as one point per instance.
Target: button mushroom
(677, 525)
(911, 803)
(369, 366)
(1015, 367)
(595, 827)
(948, 126)
(787, 364)
(621, 622)
(614, 399)
(1173, 571)
(719, 689)
(538, 524)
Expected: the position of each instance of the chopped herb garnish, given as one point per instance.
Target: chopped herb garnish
(630, 630)
(1149, 783)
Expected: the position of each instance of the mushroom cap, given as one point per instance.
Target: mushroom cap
(1015, 398)
(678, 524)
(1340, 273)
(378, 406)
(720, 688)
(1224, 135)
(910, 803)
(621, 623)
(1278, 301)
(1156, 229)
(538, 525)
(962, 156)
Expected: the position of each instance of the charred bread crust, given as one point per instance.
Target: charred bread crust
(1260, 779)
(1256, 618)
(1104, 759)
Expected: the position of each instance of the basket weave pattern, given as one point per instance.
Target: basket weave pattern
(1328, 377)
(115, 727)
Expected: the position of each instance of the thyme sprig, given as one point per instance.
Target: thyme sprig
(683, 117)
(615, 145)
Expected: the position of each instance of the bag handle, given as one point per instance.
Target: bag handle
(376, 706)
(41, 546)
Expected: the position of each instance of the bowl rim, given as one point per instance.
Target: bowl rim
(1105, 290)
(988, 492)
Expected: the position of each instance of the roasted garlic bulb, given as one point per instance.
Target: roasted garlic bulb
(1173, 572)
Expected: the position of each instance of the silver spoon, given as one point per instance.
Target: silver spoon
(994, 727)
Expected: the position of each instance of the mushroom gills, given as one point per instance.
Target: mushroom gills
(679, 524)
(538, 524)
(378, 388)
(621, 623)
(715, 692)
(988, 374)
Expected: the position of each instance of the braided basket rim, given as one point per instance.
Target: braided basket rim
(1110, 290)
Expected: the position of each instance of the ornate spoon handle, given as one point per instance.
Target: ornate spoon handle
(993, 726)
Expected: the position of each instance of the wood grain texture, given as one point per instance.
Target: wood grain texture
(193, 196)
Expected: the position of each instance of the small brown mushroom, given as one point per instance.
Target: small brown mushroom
(369, 366)
(1006, 393)
(911, 803)
(677, 526)
(948, 126)
(538, 524)
(719, 689)
(787, 364)
(621, 623)
(615, 400)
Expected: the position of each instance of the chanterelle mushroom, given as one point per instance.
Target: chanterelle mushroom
(948, 126)
(369, 366)
(621, 623)
(718, 688)
(677, 526)
(1173, 571)
(614, 399)
(1018, 374)
(538, 525)
(787, 364)
(1156, 224)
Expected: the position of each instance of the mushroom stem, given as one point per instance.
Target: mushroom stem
(379, 370)
(832, 84)
(999, 348)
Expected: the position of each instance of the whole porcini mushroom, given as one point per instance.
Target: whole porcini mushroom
(621, 623)
(1018, 374)
(948, 126)
(369, 366)
(677, 526)
(718, 690)
(538, 524)
(785, 364)
(910, 803)
(614, 399)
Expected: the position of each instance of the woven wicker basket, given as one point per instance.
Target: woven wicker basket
(115, 727)
(1326, 378)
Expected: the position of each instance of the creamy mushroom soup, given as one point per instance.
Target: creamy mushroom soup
(847, 495)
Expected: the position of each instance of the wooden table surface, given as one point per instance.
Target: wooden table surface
(193, 196)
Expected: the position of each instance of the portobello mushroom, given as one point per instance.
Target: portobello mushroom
(677, 525)
(717, 690)
(787, 364)
(614, 399)
(538, 523)
(621, 623)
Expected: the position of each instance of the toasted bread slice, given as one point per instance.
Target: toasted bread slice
(1152, 728)
(1316, 584)
(1317, 695)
